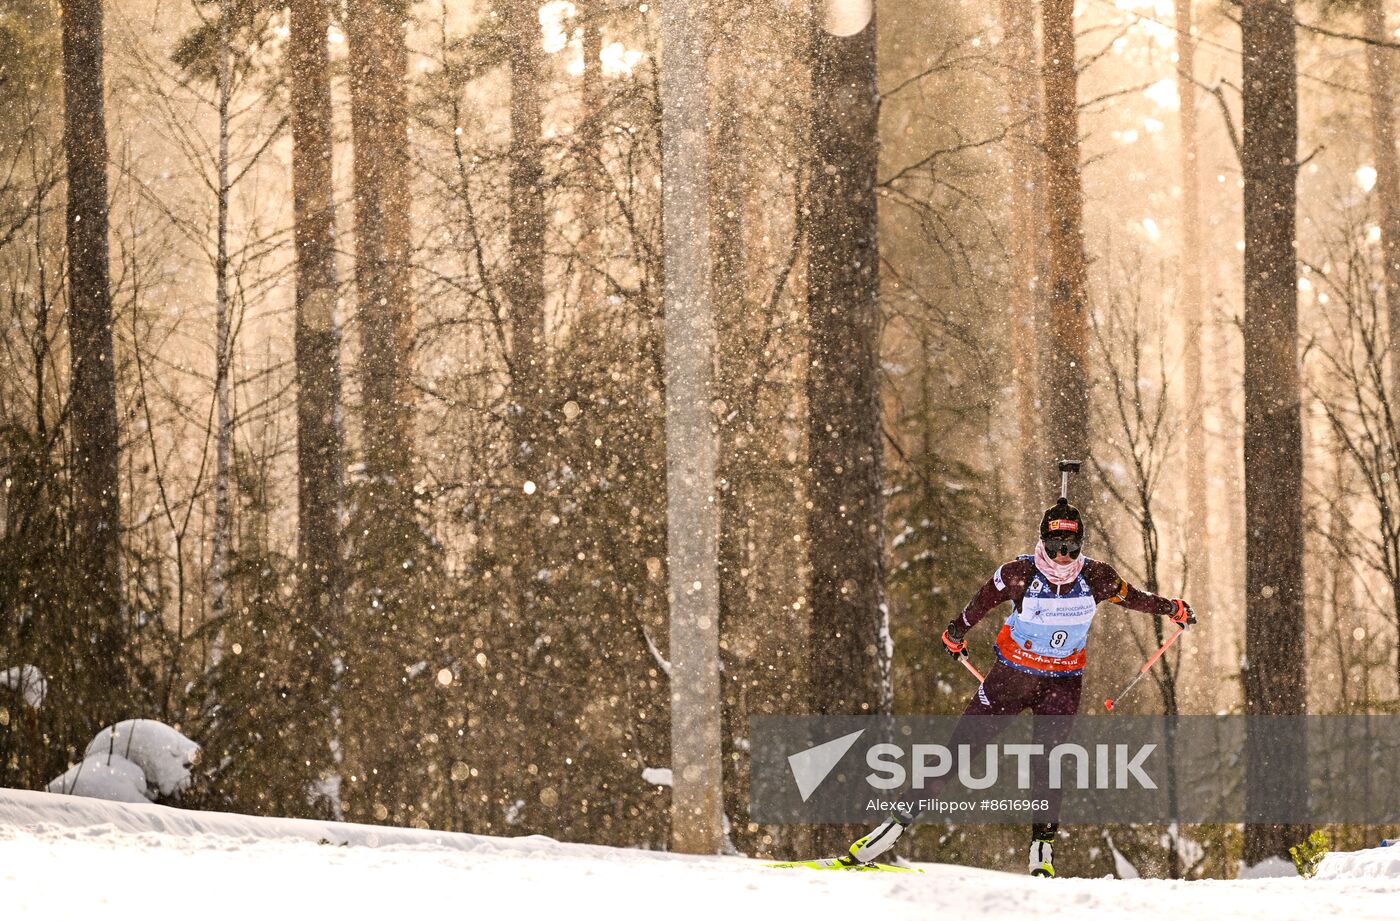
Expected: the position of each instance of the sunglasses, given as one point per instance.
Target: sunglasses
(1054, 548)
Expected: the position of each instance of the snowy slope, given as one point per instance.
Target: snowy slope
(64, 857)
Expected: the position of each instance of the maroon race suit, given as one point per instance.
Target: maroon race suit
(1033, 676)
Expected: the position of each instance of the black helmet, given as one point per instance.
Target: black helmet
(1061, 521)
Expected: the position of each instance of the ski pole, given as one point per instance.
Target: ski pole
(967, 664)
(1108, 704)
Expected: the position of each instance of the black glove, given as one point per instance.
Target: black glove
(956, 648)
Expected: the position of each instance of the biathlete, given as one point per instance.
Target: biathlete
(1054, 594)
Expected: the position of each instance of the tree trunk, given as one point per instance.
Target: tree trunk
(379, 122)
(593, 202)
(850, 665)
(1395, 613)
(525, 286)
(691, 510)
(320, 439)
(1275, 681)
(379, 708)
(1379, 63)
(1064, 369)
(223, 365)
(1026, 172)
(1230, 401)
(1166, 677)
(1197, 530)
(99, 627)
(734, 317)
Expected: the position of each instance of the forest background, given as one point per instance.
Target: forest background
(367, 494)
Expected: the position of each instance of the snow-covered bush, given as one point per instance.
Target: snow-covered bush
(144, 758)
(109, 777)
(163, 753)
(1372, 863)
(28, 681)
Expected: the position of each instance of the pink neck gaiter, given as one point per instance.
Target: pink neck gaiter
(1057, 573)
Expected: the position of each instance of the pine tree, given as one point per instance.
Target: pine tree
(1275, 681)
(524, 284)
(98, 616)
(691, 509)
(1064, 372)
(389, 620)
(843, 384)
(849, 659)
(321, 579)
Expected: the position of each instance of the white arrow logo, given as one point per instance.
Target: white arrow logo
(810, 767)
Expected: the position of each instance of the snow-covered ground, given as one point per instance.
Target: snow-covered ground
(65, 857)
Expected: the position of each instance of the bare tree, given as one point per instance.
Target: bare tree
(223, 390)
(593, 181)
(1198, 552)
(1380, 62)
(219, 51)
(1144, 425)
(1360, 408)
(36, 568)
(1356, 660)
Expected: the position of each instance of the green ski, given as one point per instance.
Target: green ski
(844, 863)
